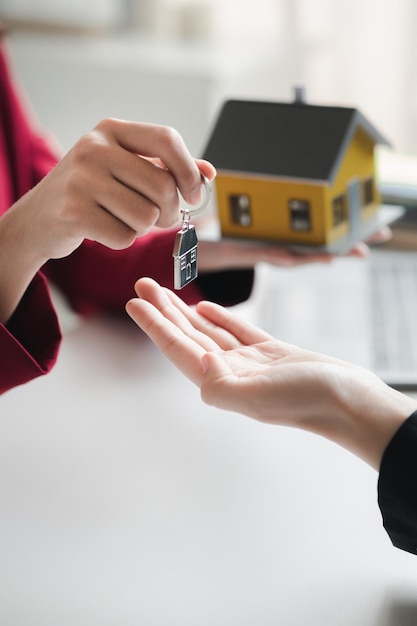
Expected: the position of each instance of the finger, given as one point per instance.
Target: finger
(182, 351)
(360, 251)
(207, 169)
(170, 306)
(140, 192)
(227, 254)
(383, 235)
(223, 339)
(204, 166)
(152, 140)
(244, 332)
(93, 221)
(99, 205)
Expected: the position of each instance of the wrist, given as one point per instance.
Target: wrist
(370, 413)
(19, 262)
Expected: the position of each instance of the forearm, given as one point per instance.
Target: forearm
(344, 403)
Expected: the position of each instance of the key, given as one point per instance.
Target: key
(185, 246)
(185, 254)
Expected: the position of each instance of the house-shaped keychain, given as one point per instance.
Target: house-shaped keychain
(185, 256)
(294, 173)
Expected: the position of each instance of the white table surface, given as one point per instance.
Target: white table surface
(126, 501)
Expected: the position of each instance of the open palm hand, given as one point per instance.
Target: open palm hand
(237, 366)
(241, 368)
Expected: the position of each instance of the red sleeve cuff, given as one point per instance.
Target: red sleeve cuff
(30, 341)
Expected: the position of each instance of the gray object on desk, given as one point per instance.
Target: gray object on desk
(360, 310)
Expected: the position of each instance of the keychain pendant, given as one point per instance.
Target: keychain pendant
(185, 246)
(185, 255)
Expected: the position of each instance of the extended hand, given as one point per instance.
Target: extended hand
(241, 368)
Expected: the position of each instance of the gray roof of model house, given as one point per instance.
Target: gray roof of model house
(289, 140)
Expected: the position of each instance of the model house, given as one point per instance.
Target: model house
(295, 173)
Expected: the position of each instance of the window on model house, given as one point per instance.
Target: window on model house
(300, 215)
(368, 191)
(339, 209)
(240, 209)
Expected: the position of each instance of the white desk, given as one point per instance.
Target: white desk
(126, 501)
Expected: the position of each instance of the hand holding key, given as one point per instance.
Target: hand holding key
(117, 182)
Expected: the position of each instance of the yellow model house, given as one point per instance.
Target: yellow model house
(295, 173)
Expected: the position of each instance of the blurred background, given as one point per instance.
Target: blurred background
(174, 61)
(121, 505)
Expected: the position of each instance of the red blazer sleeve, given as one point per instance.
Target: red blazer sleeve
(29, 342)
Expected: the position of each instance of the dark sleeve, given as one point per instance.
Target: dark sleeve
(397, 487)
(227, 287)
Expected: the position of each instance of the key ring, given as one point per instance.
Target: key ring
(207, 190)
